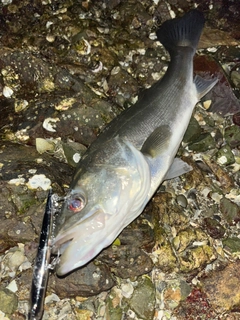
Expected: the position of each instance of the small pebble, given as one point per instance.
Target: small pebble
(182, 201)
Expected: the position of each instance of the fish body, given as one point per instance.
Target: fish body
(41, 267)
(125, 165)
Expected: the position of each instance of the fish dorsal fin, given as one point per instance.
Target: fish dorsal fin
(177, 168)
(157, 142)
(203, 86)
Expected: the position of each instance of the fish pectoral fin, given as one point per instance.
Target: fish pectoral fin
(177, 168)
(157, 142)
(203, 86)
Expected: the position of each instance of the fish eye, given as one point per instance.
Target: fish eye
(76, 203)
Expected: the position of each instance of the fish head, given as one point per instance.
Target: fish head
(92, 216)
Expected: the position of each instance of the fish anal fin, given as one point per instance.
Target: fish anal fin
(157, 142)
(203, 86)
(177, 168)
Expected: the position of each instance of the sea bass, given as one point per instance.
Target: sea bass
(125, 165)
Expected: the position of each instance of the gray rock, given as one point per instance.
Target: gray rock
(142, 301)
(8, 301)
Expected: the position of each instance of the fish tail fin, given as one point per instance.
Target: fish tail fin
(182, 32)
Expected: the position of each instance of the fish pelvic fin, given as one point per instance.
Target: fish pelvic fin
(177, 168)
(203, 86)
(182, 32)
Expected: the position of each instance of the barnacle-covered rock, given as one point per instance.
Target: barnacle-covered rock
(67, 68)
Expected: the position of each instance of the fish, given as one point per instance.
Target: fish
(42, 264)
(135, 153)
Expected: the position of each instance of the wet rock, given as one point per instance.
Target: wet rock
(78, 121)
(141, 236)
(228, 54)
(218, 138)
(134, 15)
(8, 301)
(23, 281)
(214, 228)
(182, 201)
(235, 77)
(232, 135)
(43, 145)
(196, 304)
(15, 163)
(166, 257)
(73, 152)
(231, 316)
(17, 223)
(6, 243)
(193, 131)
(86, 281)
(236, 119)
(83, 314)
(196, 178)
(127, 288)
(189, 248)
(148, 68)
(212, 37)
(222, 288)
(168, 213)
(126, 261)
(192, 199)
(162, 12)
(175, 292)
(225, 156)
(123, 85)
(186, 238)
(142, 301)
(84, 114)
(193, 249)
(18, 69)
(230, 211)
(14, 260)
(140, 232)
(196, 258)
(221, 175)
(87, 304)
(232, 244)
(113, 305)
(17, 316)
(64, 309)
(203, 166)
(204, 142)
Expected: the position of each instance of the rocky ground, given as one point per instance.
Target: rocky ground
(67, 68)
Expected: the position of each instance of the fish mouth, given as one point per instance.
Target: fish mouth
(60, 245)
(69, 231)
(80, 243)
(72, 251)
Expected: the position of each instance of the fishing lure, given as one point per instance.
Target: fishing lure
(42, 264)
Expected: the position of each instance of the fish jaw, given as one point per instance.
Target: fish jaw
(78, 245)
